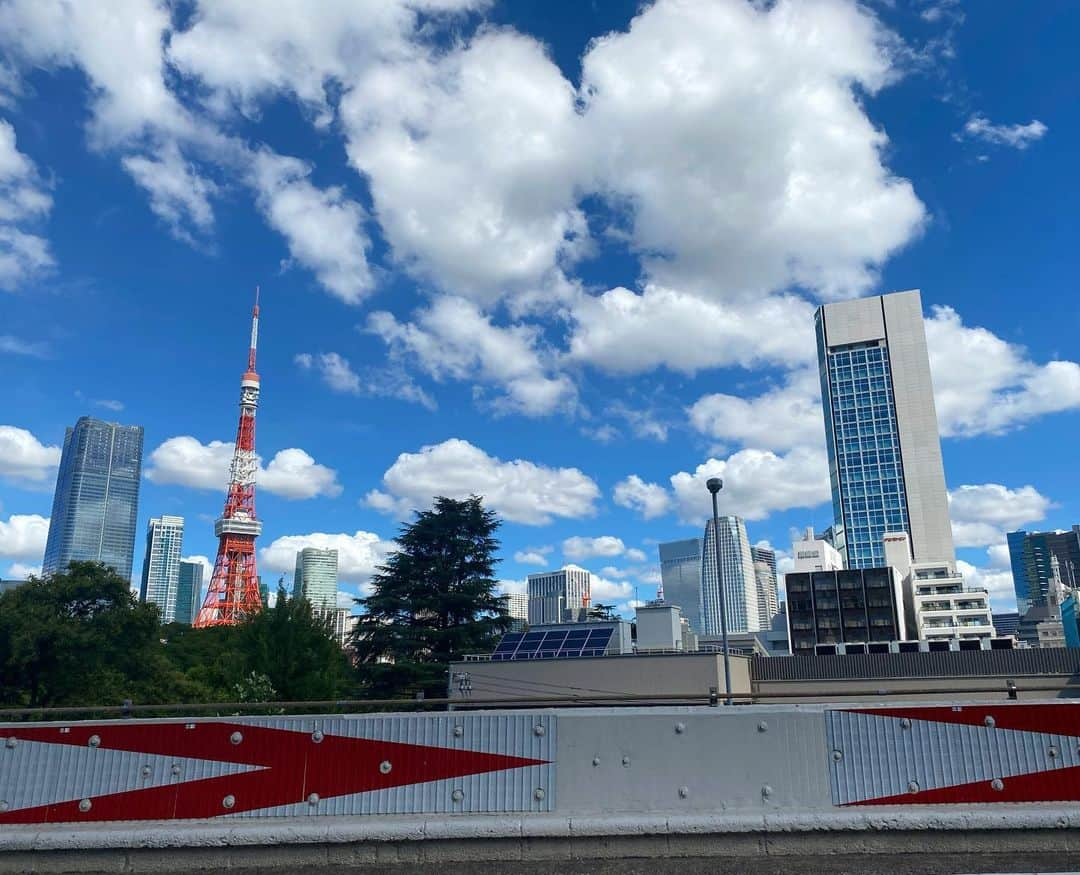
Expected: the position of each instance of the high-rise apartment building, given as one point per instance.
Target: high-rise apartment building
(97, 497)
(1031, 555)
(559, 596)
(881, 429)
(737, 577)
(680, 579)
(767, 591)
(189, 592)
(161, 564)
(316, 577)
(517, 606)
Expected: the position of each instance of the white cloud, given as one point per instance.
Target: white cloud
(179, 194)
(623, 332)
(995, 578)
(635, 555)
(21, 571)
(338, 374)
(603, 590)
(23, 536)
(533, 555)
(110, 404)
(24, 202)
(292, 473)
(359, 554)
(982, 514)
(756, 483)
(520, 490)
(985, 385)
(24, 457)
(11, 345)
(506, 587)
(492, 131)
(737, 136)
(979, 127)
(649, 499)
(452, 338)
(578, 548)
(780, 419)
(324, 229)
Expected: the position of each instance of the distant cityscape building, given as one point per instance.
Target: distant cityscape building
(881, 429)
(859, 605)
(316, 577)
(1030, 555)
(161, 565)
(96, 502)
(659, 626)
(768, 592)
(561, 596)
(342, 624)
(944, 609)
(814, 553)
(680, 579)
(1005, 623)
(188, 592)
(8, 585)
(737, 577)
(517, 606)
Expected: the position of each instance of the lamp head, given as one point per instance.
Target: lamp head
(714, 484)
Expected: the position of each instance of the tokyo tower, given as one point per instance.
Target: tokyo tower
(234, 587)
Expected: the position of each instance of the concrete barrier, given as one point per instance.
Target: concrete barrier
(754, 781)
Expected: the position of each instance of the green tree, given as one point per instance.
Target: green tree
(433, 601)
(82, 638)
(293, 650)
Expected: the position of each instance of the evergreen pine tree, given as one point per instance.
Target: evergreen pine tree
(433, 601)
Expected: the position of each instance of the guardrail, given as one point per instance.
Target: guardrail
(670, 761)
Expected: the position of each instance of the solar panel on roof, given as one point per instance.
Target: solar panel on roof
(562, 643)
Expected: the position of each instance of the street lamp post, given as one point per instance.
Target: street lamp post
(715, 484)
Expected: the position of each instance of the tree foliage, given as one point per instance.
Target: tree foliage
(433, 601)
(81, 637)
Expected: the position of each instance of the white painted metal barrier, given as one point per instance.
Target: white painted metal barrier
(667, 763)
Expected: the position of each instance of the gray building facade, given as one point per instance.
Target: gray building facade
(767, 589)
(881, 428)
(161, 565)
(97, 497)
(680, 579)
(839, 607)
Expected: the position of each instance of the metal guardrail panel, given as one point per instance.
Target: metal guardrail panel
(288, 766)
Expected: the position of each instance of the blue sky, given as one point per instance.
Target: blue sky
(561, 254)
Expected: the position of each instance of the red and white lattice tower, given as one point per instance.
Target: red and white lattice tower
(234, 586)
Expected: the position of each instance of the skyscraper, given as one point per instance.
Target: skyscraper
(881, 429)
(161, 564)
(97, 497)
(736, 576)
(316, 577)
(1031, 556)
(559, 596)
(680, 577)
(188, 592)
(765, 580)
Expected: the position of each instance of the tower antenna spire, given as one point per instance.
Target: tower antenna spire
(234, 585)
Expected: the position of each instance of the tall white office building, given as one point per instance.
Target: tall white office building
(737, 577)
(161, 564)
(815, 554)
(517, 606)
(559, 596)
(680, 579)
(767, 590)
(316, 577)
(881, 429)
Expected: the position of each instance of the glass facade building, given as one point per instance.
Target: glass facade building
(188, 592)
(161, 565)
(97, 497)
(316, 577)
(844, 607)
(881, 429)
(680, 578)
(1031, 556)
(737, 577)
